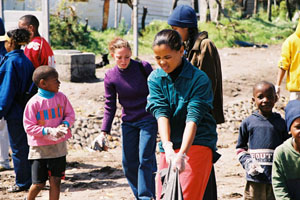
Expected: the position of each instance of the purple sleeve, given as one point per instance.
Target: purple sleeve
(147, 67)
(110, 104)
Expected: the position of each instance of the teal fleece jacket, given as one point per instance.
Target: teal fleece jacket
(189, 98)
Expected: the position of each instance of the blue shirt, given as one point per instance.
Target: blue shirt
(15, 73)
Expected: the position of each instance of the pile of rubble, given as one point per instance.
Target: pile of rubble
(85, 129)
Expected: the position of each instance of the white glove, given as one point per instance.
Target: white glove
(179, 161)
(277, 89)
(169, 151)
(100, 143)
(254, 168)
(55, 134)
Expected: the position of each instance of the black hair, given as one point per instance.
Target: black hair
(31, 20)
(19, 37)
(43, 72)
(264, 83)
(192, 36)
(168, 37)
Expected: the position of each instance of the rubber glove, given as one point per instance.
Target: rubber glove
(54, 134)
(169, 151)
(254, 168)
(179, 161)
(100, 143)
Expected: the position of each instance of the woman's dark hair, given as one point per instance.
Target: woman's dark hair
(43, 72)
(168, 37)
(192, 36)
(19, 37)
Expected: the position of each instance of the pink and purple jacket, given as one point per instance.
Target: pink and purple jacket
(46, 109)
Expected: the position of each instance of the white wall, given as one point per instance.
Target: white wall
(93, 9)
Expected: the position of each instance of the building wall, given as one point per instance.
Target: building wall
(93, 9)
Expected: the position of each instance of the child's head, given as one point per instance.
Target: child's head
(46, 77)
(184, 20)
(292, 119)
(30, 23)
(14, 39)
(264, 96)
(120, 50)
(168, 49)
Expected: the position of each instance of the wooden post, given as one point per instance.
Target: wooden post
(269, 10)
(116, 14)
(174, 4)
(45, 10)
(145, 11)
(255, 6)
(105, 14)
(289, 9)
(135, 29)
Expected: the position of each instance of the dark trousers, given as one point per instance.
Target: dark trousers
(20, 150)
(211, 188)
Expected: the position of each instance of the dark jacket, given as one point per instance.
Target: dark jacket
(205, 56)
(258, 137)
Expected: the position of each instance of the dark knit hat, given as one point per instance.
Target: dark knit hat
(183, 16)
(292, 112)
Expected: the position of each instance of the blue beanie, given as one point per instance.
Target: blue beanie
(292, 112)
(183, 16)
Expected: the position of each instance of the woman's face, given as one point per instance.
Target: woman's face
(167, 58)
(183, 32)
(122, 57)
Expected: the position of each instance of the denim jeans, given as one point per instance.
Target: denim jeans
(138, 158)
(20, 150)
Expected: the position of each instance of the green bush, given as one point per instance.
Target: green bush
(67, 33)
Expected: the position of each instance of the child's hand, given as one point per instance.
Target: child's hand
(55, 134)
(179, 161)
(254, 168)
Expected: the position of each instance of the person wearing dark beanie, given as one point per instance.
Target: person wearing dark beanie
(286, 162)
(292, 112)
(203, 54)
(183, 16)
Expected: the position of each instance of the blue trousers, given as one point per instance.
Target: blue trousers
(138, 158)
(20, 150)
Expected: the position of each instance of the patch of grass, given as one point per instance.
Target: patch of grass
(255, 30)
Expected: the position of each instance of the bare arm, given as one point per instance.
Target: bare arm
(280, 76)
(188, 137)
(164, 129)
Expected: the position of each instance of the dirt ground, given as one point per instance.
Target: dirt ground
(98, 175)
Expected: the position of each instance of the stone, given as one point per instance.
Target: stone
(75, 66)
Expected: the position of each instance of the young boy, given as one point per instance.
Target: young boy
(286, 165)
(48, 117)
(259, 135)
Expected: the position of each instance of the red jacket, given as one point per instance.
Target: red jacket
(39, 52)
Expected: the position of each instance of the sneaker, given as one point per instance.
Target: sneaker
(16, 188)
(4, 168)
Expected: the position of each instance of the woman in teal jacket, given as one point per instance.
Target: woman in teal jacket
(180, 97)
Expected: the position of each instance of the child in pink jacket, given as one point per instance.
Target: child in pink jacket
(48, 117)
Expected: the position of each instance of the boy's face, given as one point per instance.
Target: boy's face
(51, 84)
(264, 97)
(295, 131)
